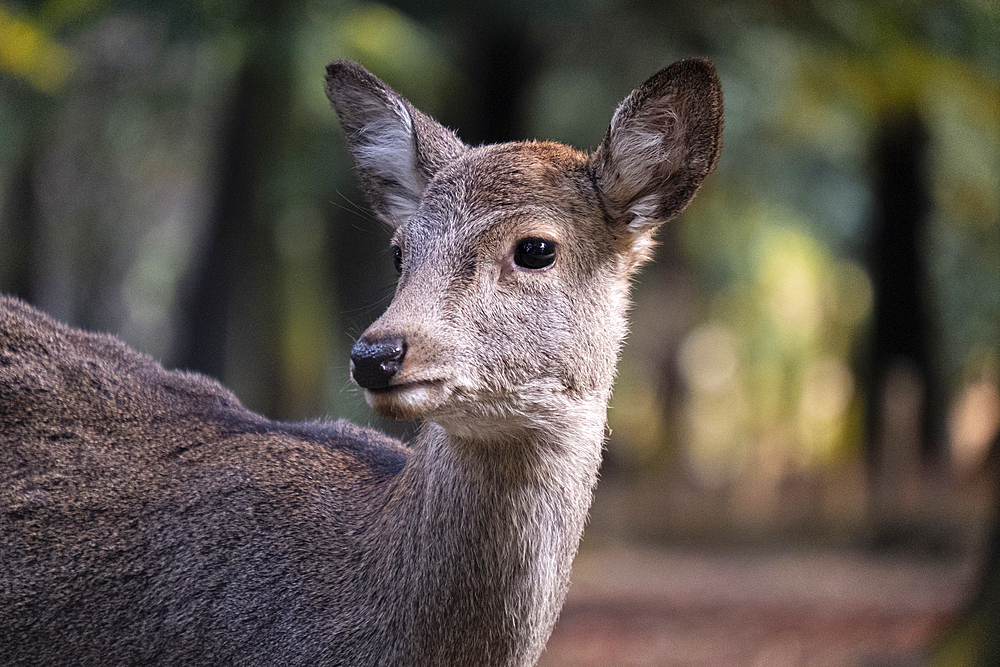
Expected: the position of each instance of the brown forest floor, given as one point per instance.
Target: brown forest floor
(629, 607)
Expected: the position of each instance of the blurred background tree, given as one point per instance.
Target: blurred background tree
(815, 352)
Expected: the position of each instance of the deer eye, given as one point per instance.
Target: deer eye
(534, 253)
(397, 258)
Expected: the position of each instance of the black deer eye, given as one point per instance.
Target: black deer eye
(397, 258)
(534, 253)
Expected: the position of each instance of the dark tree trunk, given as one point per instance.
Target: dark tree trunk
(16, 256)
(232, 326)
(901, 339)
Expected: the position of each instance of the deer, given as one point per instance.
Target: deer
(148, 518)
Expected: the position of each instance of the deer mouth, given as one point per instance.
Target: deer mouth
(404, 387)
(407, 400)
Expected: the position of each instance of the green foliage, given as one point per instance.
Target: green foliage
(28, 51)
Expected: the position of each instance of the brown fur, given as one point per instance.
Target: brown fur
(147, 518)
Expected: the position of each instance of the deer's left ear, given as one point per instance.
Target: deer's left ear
(663, 141)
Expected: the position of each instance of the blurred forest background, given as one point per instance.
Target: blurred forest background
(815, 351)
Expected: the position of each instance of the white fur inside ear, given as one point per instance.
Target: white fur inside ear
(647, 145)
(646, 214)
(386, 148)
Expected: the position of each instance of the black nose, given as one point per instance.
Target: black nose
(374, 364)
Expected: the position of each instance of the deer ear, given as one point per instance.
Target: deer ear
(396, 148)
(663, 141)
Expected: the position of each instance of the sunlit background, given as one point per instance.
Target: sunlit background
(815, 353)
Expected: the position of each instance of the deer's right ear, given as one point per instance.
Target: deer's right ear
(396, 148)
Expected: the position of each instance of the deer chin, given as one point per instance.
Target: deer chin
(408, 401)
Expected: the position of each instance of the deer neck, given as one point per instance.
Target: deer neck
(493, 526)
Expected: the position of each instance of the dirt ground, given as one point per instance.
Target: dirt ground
(634, 607)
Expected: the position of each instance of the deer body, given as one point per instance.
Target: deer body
(146, 517)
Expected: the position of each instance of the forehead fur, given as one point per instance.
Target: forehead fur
(492, 179)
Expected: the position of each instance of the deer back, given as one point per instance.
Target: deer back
(147, 517)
